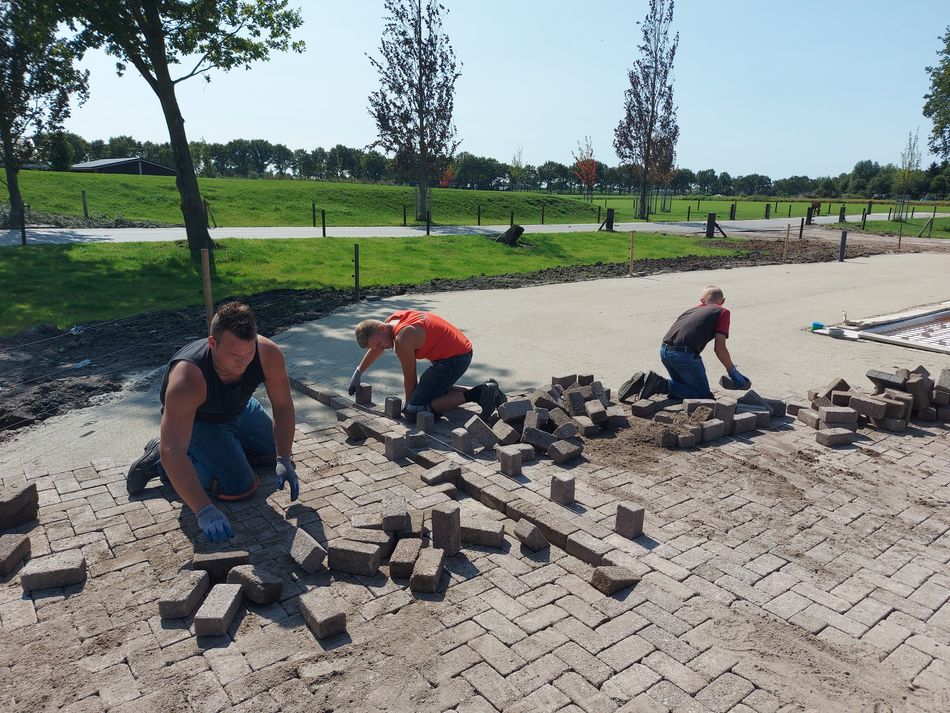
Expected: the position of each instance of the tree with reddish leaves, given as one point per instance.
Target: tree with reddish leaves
(585, 166)
(646, 135)
(447, 179)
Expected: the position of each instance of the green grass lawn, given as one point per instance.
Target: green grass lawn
(909, 228)
(65, 285)
(248, 202)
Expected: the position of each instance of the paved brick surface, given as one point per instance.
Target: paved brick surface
(773, 574)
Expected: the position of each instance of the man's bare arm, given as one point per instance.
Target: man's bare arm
(186, 391)
(722, 352)
(278, 391)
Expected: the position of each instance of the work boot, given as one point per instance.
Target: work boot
(630, 386)
(489, 398)
(653, 384)
(502, 397)
(144, 469)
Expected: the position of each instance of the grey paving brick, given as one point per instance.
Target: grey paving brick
(491, 685)
(57, 570)
(583, 663)
(447, 528)
(483, 532)
(427, 570)
(186, 591)
(354, 557)
(13, 550)
(587, 548)
(630, 682)
(323, 612)
(306, 551)
(258, 584)
(218, 610)
(218, 564)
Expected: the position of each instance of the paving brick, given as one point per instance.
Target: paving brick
(713, 428)
(394, 515)
(394, 445)
(425, 421)
(505, 433)
(57, 570)
(18, 505)
(921, 388)
(630, 682)
(462, 441)
(13, 550)
(513, 410)
(564, 451)
(808, 416)
(447, 528)
(427, 570)
(629, 521)
(486, 533)
(832, 437)
(509, 459)
(218, 564)
(259, 585)
(181, 598)
(556, 530)
(354, 557)
(868, 406)
(323, 612)
(536, 419)
(838, 415)
(499, 656)
(744, 422)
(672, 670)
(306, 551)
(473, 483)
(392, 406)
(364, 395)
(612, 579)
(562, 488)
(404, 557)
(587, 548)
(568, 430)
(417, 439)
(496, 498)
(491, 685)
(218, 610)
(541, 440)
(481, 432)
(530, 536)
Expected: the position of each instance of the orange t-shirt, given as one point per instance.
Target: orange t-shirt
(443, 340)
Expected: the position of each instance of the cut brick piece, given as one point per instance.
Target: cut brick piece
(181, 598)
(216, 614)
(306, 551)
(354, 557)
(447, 528)
(837, 384)
(838, 415)
(509, 459)
(867, 406)
(404, 557)
(562, 488)
(486, 533)
(395, 516)
(904, 398)
(536, 419)
(725, 409)
(687, 440)
(446, 472)
(585, 379)
(425, 421)
(481, 431)
(834, 436)
(13, 550)
(611, 579)
(541, 440)
(567, 430)
(530, 536)
(841, 398)
(713, 429)
(808, 416)
(595, 411)
(575, 403)
(744, 422)
(392, 407)
(323, 613)
(364, 395)
(564, 381)
(564, 451)
(505, 434)
(886, 380)
(586, 547)
(542, 400)
(218, 564)
(462, 441)
(514, 410)
(259, 585)
(417, 439)
(394, 445)
(616, 417)
(629, 521)
(587, 428)
(427, 570)
(18, 505)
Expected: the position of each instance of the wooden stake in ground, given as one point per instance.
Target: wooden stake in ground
(206, 278)
(630, 269)
(900, 236)
(788, 229)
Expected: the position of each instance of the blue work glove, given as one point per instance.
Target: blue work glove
(285, 471)
(741, 382)
(214, 524)
(354, 382)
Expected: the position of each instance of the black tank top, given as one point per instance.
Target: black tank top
(695, 328)
(223, 401)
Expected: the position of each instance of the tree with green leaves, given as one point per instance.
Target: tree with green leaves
(937, 106)
(646, 135)
(416, 96)
(37, 77)
(156, 36)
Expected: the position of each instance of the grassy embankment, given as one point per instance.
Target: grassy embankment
(909, 228)
(65, 285)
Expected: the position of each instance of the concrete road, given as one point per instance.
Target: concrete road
(46, 236)
(606, 327)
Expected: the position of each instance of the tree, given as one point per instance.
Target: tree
(155, 36)
(516, 174)
(374, 166)
(683, 180)
(907, 180)
(414, 103)
(37, 77)
(646, 135)
(585, 166)
(937, 106)
(282, 158)
(706, 179)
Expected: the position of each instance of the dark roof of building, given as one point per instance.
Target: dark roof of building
(102, 162)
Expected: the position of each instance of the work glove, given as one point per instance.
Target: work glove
(741, 381)
(285, 471)
(214, 524)
(354, 382)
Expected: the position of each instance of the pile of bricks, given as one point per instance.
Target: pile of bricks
(695, 421)
(837, 411)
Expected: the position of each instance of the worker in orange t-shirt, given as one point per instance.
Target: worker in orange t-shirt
(422, 335)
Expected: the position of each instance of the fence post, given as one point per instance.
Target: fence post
(689, 210)
(428, 221)
(85, 206)
(542, 214)
(801, 229)
(864, 217)
(206, 283)
(888, 213)
(356, 271)
(512, 217)
(598, 215)
(323, 221)
(789, 210)
(788, 230)
(630, 268)
(404, 215)
(900, 236)
(313, 212)
(479, 213)
(710, 225)
(841, 213)
(913, 210)
(844, 240)
(768, 211)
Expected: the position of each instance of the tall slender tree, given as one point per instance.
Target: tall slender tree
(937, 106)
(37, 77)
(416, 96)
(585, 166)
(156, 35)
(646, 135)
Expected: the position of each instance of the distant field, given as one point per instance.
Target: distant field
(910, 228)
(248, 202)
(65, 285)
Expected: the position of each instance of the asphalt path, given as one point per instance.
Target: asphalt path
(53, 236)
(608, 328)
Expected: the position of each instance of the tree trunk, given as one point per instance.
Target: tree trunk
(423, 202)
(196, 226)
(642, 208)
(17, 213)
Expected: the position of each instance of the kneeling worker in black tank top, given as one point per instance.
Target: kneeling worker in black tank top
(212, 427)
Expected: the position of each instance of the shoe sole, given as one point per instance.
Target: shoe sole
(138, 477)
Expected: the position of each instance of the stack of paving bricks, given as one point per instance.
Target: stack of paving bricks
(695, 421)
(837, 411)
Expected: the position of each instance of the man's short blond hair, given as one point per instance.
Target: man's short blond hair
(365, 330)
(711, 293)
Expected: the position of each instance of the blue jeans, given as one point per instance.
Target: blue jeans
(687, 373)
(437, 380)
(220, 451)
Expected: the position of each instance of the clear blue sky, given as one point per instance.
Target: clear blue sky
(788, 88)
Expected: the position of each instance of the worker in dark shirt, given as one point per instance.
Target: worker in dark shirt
(212, 427)
(682, 348)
